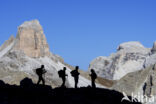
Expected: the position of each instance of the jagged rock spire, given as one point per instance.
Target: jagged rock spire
(31, 39)
(153, 50)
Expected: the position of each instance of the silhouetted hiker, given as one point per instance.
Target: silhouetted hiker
(40, 72)
(93, 77)
(144, 89)
(75, 74)
(62, 74)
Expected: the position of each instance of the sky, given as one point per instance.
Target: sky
(81, 30)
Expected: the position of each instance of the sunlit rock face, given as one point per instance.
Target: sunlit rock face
(130, 57)
(31, 39)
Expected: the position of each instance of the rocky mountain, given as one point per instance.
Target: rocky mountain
(31, 40)
(141, 83)
(20, 56)
(133, 67)
(130, 57)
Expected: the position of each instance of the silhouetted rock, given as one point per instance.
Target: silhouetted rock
(40, 94)
(2, 84)
(26, 82)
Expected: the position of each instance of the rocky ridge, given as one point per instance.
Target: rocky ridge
(20, 57)
(130, 57)
(133, 67)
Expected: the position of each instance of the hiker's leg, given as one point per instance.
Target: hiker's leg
(75, 85)
(43, 81)
(38, 80)
(76, 82)
(93, 83)
(63, 82)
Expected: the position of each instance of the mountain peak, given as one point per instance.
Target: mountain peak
(132, 44)
(33, 24)
(31, 39)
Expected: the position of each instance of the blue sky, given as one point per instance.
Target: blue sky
(81, 30)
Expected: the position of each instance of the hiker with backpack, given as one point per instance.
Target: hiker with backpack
(75, 74)
(93, 77)
(40, 72)
(62, 74)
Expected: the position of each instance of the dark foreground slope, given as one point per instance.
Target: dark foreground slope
(29, 93)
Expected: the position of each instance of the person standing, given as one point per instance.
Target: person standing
(75, 74)
(62, 75)
(40, 72)
(93, 76)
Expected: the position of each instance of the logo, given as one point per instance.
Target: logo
(138, 98)
(125, 97)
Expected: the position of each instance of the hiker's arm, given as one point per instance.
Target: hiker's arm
(45, 71)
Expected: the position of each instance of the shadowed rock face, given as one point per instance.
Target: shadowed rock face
(31, 39)
(142, 82)
(153, 50)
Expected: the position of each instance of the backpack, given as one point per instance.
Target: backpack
(38, 71)
(60, 73)
(72, 73)
(94, 76)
